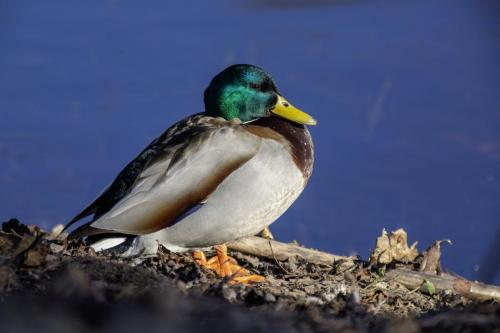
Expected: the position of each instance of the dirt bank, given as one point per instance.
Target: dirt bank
(47, 285)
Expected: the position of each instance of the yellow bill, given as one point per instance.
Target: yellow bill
(284, 109)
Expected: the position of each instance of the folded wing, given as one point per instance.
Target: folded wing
(180, 175)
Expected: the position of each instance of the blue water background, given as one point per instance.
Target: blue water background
(407, 95)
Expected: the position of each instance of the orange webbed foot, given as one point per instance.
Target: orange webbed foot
(226, 266)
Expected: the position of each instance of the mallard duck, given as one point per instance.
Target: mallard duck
(212, 177)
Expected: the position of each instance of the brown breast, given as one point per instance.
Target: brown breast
(295, 135)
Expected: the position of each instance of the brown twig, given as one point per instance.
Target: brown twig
(276, 260)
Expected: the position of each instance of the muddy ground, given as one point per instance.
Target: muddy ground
(47, 285)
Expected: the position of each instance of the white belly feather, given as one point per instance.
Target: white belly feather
(248, 200)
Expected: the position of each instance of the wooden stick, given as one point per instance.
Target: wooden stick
(458, 285)
(269, 248)
(272, 249)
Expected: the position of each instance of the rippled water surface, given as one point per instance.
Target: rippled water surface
(406, 94)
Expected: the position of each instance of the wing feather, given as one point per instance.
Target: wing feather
(181, 174)
(159, 149)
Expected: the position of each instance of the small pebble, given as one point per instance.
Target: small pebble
(229, 294)
(270, 298)
(328, 297)
(311, 300)
(181, 285)
(56, 248)
(310, 289)
(355, 297)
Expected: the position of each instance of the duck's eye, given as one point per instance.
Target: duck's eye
(256, 86)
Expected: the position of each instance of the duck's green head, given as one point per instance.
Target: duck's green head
(249, 93)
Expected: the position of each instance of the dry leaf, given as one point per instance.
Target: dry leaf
(431, 262)
(394, 248)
